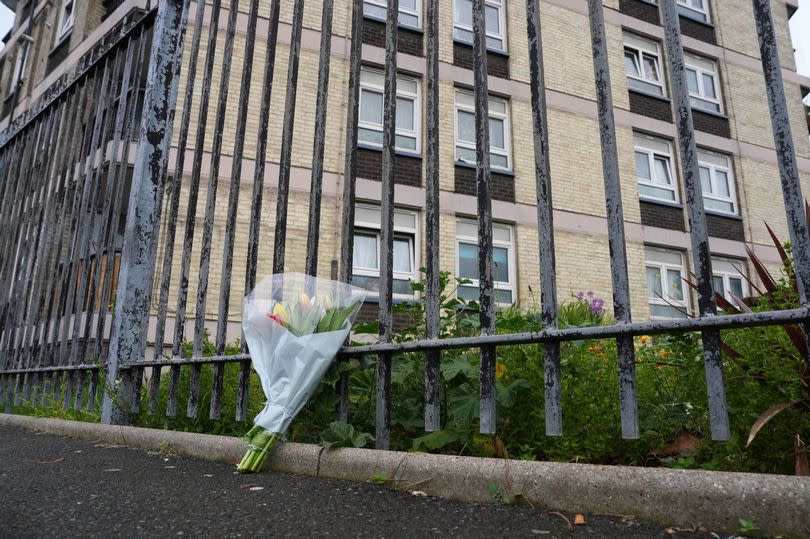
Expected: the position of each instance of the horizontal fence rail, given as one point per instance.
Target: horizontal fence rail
(129, 239)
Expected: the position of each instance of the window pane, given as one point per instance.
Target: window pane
(721, 182)
(495, 160)
(493, 20)
(365, 251)
(466, 126)
(406, 19)
(371, 104)
(717, 285)
(736, 286)
(372, 284)
(708, 86)
(462, 12)
(468, 293)
(651, 68)
(653, 282)
(674, 285)
(643, 166)
(405, 119)
(500, 259)
(503, 296)
(403, 286)
(692, 81)
(374, 10)
(467, 261)
(666, 311)
(403, 142)
(718, 205)
(495, 43)
(662, 171)
(370, 136)
(496, 134)
(402, 255)
(631, 62)
(656, 192)
(465, 154)
(705, 180)
(407, 4)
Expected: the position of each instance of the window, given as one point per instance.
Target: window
(370, 127)
(19, 65)
(503, 258)
(727, 278)
(703, 82)
(656, 180)
(409, 11)
(499, 147)
(494, 21)
(67, 16)
(665, 286)
(642, 59)
(717, 182)
(366, 267)
(694, 9)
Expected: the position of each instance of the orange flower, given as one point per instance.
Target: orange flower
(644, 338)
(500, 370)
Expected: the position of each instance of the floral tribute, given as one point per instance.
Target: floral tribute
(294, 325)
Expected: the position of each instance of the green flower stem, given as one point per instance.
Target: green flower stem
(261, 444)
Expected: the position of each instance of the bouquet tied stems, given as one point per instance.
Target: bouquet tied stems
(262, 444)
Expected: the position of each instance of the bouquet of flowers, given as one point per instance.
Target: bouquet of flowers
(294, 325)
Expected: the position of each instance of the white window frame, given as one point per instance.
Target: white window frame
(663, 267)
(687, 9)
(640, 46)
(727, 269)
(510, 286)
(656, 147)
(704, 67)
(374, 227)
(708, 159)
(402, 10)
(66, 23)
(493, 113)
(20, 63)
(402, 93)
(500, 35)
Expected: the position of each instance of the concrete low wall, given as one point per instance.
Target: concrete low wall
(683, 498)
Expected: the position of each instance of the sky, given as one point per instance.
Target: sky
(799, 29)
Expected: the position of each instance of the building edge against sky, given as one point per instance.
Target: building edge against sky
(739, 175)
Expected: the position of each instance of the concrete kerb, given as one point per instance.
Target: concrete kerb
(683, 498)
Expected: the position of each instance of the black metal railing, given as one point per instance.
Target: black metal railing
(49, 176)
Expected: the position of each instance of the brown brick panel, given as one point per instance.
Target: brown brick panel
(711, 123)
(408, 41)
(648, 105)
(407, 169)
(503, 185)
(728, 228)
(698, 30)
(640, 10)
(497, 64)
(661, 216)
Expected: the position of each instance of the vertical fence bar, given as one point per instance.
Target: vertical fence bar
(322, 101)
(615, 217)
(285, 163)
(128, 338)
(233, 204)
(432, 234)
(350, 177)
(174, 209)
(208, 223)
(718, 412)
(545, 220)
(785, 149)
(258, 192)
(484, 196)
(383, 408)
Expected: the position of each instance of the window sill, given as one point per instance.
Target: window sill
(496, 52)
(494, 170)
(400, 25)
(659, 202)
(648, 94)
(710, 113)
(721, 214)
(61, 42)
(373, 148)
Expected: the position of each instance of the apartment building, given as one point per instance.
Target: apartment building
(738, 170)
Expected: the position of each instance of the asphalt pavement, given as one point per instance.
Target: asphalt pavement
(52, 486)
